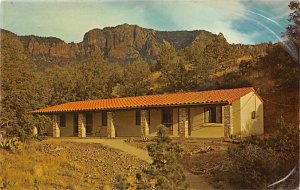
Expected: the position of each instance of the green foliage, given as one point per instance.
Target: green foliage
(12, 144)
(137, 182)
(135, 79)
(165, 168)
(234, 80)
(281, 66)
(285, 140)
(20, 91)
(256, 163)
(164, 172)
(121, 183)
(292, 30)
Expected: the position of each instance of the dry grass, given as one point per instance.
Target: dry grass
(50, 165)
(29, 168)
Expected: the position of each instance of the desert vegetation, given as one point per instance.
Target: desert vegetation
(165, 64)
(164, 172)
(69, 165)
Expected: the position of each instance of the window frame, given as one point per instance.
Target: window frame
(213, 116)
(164, 113)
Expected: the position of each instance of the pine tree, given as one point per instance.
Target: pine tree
(165, 170)
(293, 29)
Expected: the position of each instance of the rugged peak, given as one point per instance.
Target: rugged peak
(122, 43)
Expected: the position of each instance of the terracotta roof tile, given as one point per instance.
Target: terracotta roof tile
(202, 97)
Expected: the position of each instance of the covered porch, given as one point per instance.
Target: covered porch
(211, 121)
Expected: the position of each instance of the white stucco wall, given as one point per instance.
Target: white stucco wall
(249, 103)
(67, 131)
(201, 129)
(236, 114)
(125, 126)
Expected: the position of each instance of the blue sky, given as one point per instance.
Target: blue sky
(241, 21)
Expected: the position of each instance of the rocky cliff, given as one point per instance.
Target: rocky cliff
(121, 43)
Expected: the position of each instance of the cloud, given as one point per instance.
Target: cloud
(204, 15)
(70, 20)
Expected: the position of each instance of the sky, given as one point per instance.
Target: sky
(240, 21)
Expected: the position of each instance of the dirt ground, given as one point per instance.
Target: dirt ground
(64, 165)
(73, 163)
(138, 148)
(200, 157)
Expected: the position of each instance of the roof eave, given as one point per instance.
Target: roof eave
(132, 108)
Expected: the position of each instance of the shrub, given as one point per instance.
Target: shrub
(252, 167)
(121, 183)
(256, 163)
(13, 144)
(164, 172)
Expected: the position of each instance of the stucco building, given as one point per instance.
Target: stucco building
(204, 114)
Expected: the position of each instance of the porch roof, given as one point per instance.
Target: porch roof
(227, 96)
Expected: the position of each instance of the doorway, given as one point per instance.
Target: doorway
(89, 123)
(167, 119)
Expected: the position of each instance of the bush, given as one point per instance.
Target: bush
(164, 172)
(256, 163)
(165, 169)
(13, 144)
(252, 167)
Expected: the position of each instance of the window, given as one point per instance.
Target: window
(62, 120)
(104, 118)
(213, 114)
(167, 117)
(138, 117)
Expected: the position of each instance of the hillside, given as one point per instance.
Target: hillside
(45, 71)
(68, 165)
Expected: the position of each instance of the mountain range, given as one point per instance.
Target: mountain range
(121, 43)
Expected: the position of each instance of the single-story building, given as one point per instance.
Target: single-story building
(205, 114)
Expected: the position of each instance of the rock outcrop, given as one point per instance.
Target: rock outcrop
(122, 43)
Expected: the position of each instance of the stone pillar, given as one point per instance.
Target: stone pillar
(183, 122)
(111, 132)
(55, 126)
(228, 121)
(81, 125)
(145, 123)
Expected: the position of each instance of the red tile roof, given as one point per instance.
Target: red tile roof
(161, 100)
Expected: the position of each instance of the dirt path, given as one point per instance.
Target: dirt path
(196, 182)
(116, 144)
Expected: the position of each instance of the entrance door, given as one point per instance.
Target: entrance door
(167, 119)
(75, 124)
(89, 123)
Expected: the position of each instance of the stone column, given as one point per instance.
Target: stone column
(111, 132)
(55, 126)
(228, 121)
(183, 122)
(81, 125)
(145, 123)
